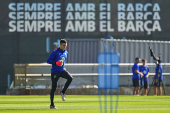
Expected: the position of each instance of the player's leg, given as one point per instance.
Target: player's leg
(54, 79)
(138, 90)
(145, 91)
(66, 75)
(138, 86)
(134, 91)
(145, 87)
(160, 88)
(155, 88)
(141, 86)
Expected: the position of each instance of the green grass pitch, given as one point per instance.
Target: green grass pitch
(83, 104)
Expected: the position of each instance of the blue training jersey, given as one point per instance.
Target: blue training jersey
(55, 57)
(158, 69)
(144, 70)
(135, 75)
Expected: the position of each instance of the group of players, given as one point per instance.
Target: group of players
(141, 75)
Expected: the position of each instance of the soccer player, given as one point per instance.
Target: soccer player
(136, 77)
(158, 79)
(57, 59)
(145, 70)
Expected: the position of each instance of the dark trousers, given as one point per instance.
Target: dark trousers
(54, 78)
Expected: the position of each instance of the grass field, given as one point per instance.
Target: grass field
(83, 104)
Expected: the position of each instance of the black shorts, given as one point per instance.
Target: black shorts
(146, 84)
(136, 82)
(158, 84)
(55, 76)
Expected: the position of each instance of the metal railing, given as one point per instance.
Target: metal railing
(36, 75)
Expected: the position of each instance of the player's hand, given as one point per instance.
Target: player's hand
(59, 63)
(146, 77)
(141, 74)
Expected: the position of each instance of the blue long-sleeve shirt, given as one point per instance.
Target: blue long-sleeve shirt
(56, 56)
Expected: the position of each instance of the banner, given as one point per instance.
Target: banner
(115, 17)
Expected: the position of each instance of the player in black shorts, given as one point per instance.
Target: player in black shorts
(145, 70)
(57, 59)
(136, 77)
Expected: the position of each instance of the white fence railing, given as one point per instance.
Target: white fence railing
(30, 75)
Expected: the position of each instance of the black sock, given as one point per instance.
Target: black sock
(52, 96)
(62, 91)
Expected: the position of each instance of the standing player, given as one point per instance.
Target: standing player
(158, 79)
(145, 70)
(136, 77)
(57, 59)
